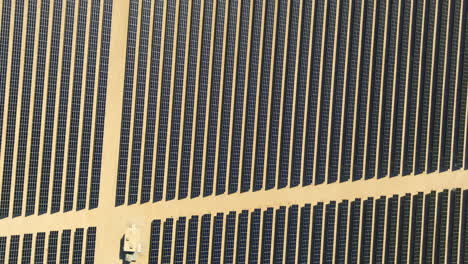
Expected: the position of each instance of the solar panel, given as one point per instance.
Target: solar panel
(27, 248)
(52, 248)
(65, 246)
(78, 245)
(14, 249)
(39, 248)
(154, 241)
(90, 245)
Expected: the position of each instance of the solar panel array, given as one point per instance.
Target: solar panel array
(412, 228)
(235, 96)
(64, 246)
(53, 82)
(224, 97)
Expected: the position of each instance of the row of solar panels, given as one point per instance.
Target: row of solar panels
(52, 103)
(66, 246)
(419, 228)
(229, 96)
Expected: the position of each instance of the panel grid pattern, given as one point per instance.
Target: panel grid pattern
(328, 241)
(311, 93)
(44, 247)
(51, 153)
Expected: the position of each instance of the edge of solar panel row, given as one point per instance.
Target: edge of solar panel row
(389, 231)
(64, 246)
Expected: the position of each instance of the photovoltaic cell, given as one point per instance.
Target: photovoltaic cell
(366, 230)
(279, 237)
(3, 241)
(78, 245)
(428, 237)
(254, 237)
(341, 232)
(180, 240)
(354, 228)
(14, 249)
(241, 247)
(316, 239)
(379, 229)
(267, 235)
(229, 237)
(390, 229)
(217, 238)
(90, 245)
(416, 227)
(65, 246)
(204, 239)
(304, 231)
(454, 227)
(329, 233)
(39, 248)
(52, 247)
(403, 234)
(291, 234)
(167, 241)
(192, 239)
(154, 241)
(27, 248)
(441, 226)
